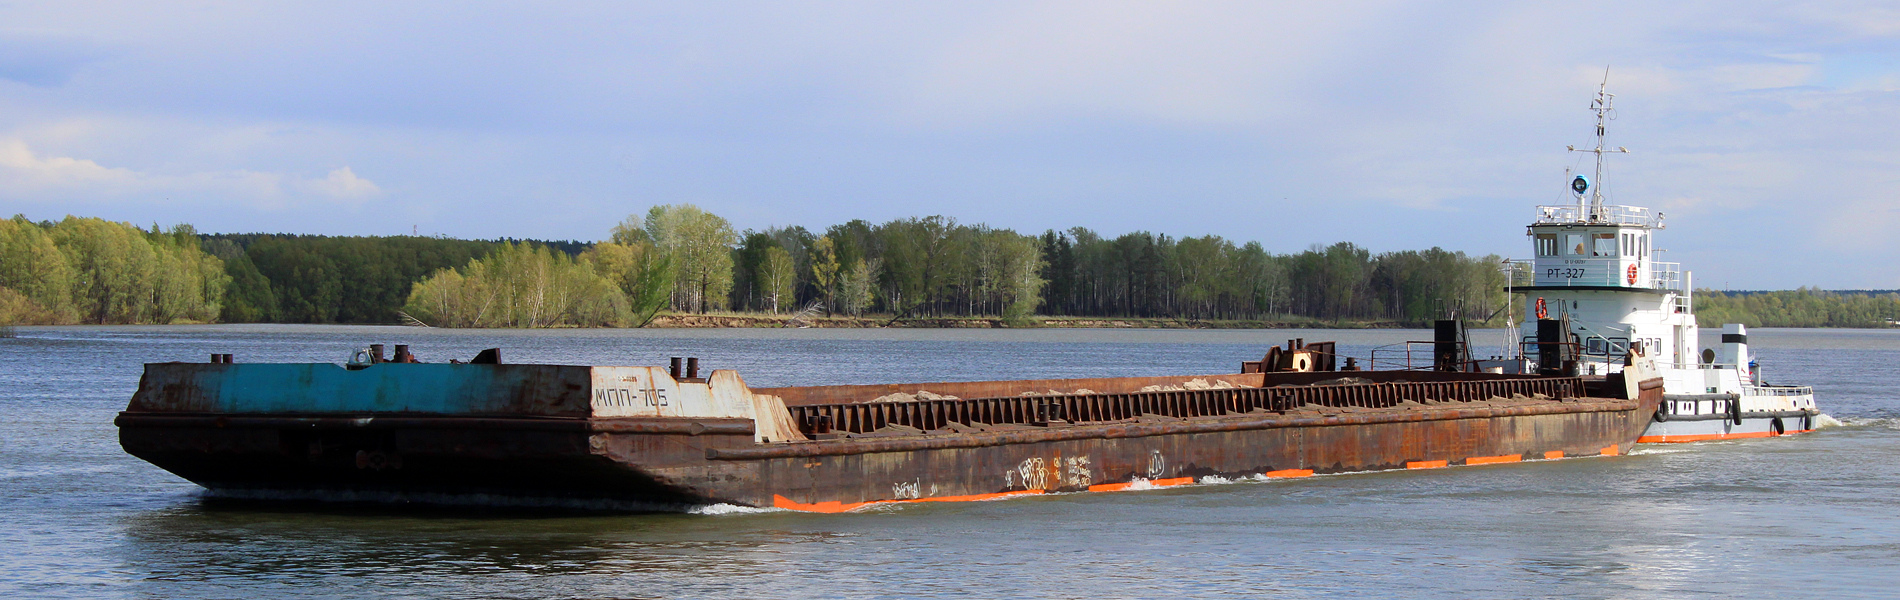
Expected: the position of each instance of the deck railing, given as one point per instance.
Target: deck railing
(1606, 215)
(1778, 390)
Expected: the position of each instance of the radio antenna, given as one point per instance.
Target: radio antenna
(1606, 111)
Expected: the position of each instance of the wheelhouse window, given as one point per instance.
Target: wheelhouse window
(1546, 244)
(1603, 244)
(1574, 245)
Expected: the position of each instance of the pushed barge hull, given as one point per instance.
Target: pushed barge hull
(653, 437)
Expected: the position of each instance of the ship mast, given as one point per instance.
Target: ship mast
(1606, 111)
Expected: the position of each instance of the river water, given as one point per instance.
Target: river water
(1815, 515)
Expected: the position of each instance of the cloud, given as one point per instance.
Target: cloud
(27, 175)
(1393, 124)
(343, 184)
(22, 170)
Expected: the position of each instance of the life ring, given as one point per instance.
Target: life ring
(1631, 274)
(1541, 312)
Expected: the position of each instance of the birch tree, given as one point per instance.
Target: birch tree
(858, 285)
(519, 285)
(641, 271)
(700, 247)
(824, 271)
(35, 274)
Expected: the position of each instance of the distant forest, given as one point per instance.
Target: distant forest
(1805, 307)
(681, 259)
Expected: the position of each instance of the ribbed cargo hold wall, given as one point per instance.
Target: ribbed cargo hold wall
(307, 388)
(1088, 408)
(834, 394)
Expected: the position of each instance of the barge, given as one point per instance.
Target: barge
(666, 437)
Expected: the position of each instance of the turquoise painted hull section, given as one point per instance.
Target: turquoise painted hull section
(443, 389)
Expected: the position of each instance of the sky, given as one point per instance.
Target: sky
(1768, 133)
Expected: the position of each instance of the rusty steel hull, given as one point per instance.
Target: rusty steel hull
(687, 461)
(1106, 457)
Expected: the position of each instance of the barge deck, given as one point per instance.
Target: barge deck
(659, 437)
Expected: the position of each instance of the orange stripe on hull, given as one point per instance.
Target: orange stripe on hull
(829, 506)
(1116, 487)
(973, 497)
(834, 506)
(1610, 451)
(1677, 439)
(838, 507)
(1492, 460)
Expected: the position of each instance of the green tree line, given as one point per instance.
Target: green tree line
(1804, 307)
(278, 278)
(520, 285)
(87, 270)
(682, 258)
(686, 260)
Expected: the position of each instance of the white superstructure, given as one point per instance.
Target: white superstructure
(1594, 277)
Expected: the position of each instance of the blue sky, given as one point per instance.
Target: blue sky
(1767, 133)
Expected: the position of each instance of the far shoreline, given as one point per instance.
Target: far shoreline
(734, 320)
(770, 321)
(787, 321)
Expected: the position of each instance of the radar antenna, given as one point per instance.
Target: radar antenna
(1606, 111)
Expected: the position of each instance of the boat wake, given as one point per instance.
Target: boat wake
(1825, 421)
(731, 509)
(1218, 480)
(1649, 449)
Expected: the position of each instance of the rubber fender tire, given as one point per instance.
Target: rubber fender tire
(1735, 411)
(1662, 414)
(1777, 427)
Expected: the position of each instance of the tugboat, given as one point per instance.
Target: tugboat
(1600, 301)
